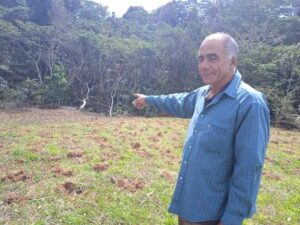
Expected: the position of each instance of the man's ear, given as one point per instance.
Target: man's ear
(233, 62)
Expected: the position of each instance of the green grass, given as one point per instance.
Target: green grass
(145, 150)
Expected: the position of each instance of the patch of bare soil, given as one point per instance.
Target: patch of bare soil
(60, 171)
(16, 176)
(269, 159)
(55, 158)
(143, 153)
(131, 185)
(176, 136)
(169, 154)
(101, 141)
(69, 143)
(110, 156)
(168, 175)
(101, 167)
(75, 154)
(153, 146)
(153, 139)
(136, 145)
(105, 145)
(272, 176)
(159, 134)
(72, 188)
(15, 198)
(289, 151)
(19, 161)
(296, 171)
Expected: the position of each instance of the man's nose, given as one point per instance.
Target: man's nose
(203, 65)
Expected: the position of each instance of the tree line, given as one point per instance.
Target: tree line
(76, 53)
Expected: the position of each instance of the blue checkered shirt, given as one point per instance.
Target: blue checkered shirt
(223, 154)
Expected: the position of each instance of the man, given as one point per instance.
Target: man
(226, 142)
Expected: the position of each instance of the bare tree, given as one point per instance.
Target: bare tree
(87, 89)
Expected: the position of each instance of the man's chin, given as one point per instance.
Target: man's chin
(207, 81)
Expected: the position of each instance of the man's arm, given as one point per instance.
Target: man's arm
(180, 105)
(252, 135)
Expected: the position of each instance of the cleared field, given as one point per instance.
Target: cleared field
(68, 167)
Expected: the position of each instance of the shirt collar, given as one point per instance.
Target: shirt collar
(231, 89)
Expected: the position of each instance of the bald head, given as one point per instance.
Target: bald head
(230, 45)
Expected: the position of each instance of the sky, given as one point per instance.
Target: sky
(121, 6)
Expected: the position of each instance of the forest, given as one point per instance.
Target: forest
(76, 53)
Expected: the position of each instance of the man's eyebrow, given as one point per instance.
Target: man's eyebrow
(208, 55)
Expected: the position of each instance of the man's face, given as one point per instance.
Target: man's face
(214, 66)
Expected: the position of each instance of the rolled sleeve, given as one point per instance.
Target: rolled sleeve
(180, 105)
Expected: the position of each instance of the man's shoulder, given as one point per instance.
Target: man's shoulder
(247, 89)
(249, 94)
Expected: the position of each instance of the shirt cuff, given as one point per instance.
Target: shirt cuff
(149, 100)
(228, 219)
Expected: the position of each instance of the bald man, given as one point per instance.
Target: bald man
(224, 152)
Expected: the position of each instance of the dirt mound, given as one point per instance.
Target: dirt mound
(153, 139)
(167, 175)
(143, 153)
(72, 188)
(101, 167)
(60, 171)
(19, 161)
(15, 198)
(16, 176)
(75, 154)
(110, 156)
(272, 176)
(131, 185)
(136, 145)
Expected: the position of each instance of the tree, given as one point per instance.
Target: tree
(137, 14)
(92, 11)
(55, 90)
(39, 12)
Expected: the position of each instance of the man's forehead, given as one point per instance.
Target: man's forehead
(211, 47)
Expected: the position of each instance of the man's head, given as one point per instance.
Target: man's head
(217, 59)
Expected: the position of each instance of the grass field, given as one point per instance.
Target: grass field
(67, 167)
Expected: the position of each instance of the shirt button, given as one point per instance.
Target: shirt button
(190, 146)
(195, 131)
(208, 125)
(181, 177)
(201, 115)
(185, 162)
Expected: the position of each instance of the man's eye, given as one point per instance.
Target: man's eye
(200, 59)
(211, 59)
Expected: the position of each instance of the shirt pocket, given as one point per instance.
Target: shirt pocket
(215, 138)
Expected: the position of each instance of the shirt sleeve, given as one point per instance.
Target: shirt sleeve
(180, 105)
(252, 135)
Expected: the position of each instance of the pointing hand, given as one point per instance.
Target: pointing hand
(139, 102)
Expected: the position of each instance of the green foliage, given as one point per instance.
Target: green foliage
(104, 59)
(32, 91)
(3, 89)
(55, 90)
(7, 94)
(276, 71)
(92, 11)
(137, 14)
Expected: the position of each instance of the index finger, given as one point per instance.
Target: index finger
(137, 95)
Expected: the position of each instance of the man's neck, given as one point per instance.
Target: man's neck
(215, 89)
